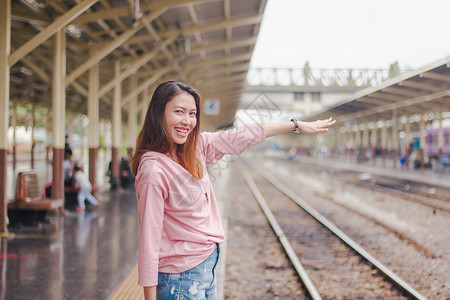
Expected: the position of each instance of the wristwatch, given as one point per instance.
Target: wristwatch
(296, 125)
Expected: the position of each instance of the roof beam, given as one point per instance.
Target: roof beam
(26, 17)
(386, 96)
(436, 76)
(132, 69)
(163, 47)
(125, 10)
(99, 55)
(400, 91)
(211, 47)
(222, 60)
(224, 70)
(228, 32)
(158, 74)
(198, 36)
(219, 77)
(232, 78)
(224, 88)
(49, 31)
(388, 107)
(255, 19)
(222, 45)
(39, 71)
(199, 28)
(363, 104)
(421, 86)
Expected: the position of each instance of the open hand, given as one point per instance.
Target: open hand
(319, 126)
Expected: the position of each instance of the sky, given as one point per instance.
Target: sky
(353, 33)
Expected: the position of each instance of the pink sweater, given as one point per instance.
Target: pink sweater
(179, 218)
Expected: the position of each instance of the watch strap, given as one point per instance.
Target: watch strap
(296, 125)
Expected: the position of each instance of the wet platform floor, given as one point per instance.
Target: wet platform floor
(76, 256)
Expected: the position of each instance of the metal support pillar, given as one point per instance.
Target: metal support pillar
(422, 142)
(132, 118)
(373, 142)
(33, 125)
(48, 145)
(440, 137)
(358, 138)
(116, 130)
(389, 143)
(93, 116)
(365, 141)
(358, 145)
(395, 144)
(145, 100)
(59, 112)
(5, 48)
(338, 142)
(407, 142)
(351, 143)
(343, 142)
(14, 148)
(383, 143)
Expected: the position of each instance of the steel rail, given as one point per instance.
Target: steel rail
(433, 201)
(430, 200)
(280, 233)
(334, 229)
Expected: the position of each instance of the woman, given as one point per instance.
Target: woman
(178, 214)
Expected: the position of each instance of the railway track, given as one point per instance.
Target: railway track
(329, 263)
(437, 198)
(433, 197)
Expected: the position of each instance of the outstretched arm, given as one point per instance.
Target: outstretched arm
(319, 126)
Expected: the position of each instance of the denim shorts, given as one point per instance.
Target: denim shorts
(197, 283)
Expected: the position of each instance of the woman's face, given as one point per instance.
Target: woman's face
(180, 115)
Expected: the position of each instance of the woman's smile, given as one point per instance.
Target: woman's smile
(182, 131)
(181, 117)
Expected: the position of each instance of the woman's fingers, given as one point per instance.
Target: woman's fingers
(319, 126)
(327, 122)
(322, 125)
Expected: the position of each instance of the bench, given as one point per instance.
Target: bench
(28, 207)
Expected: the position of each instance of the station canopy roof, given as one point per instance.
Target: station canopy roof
(204, 43)
(423, 91)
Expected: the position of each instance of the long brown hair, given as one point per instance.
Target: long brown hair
(154, 135)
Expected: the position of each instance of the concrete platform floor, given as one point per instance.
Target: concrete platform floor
(76, 256)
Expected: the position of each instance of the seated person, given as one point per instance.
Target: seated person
(84, 193)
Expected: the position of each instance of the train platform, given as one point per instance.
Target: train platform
(93, 254)
(438, 175)
(386, 169)
(77, 255)
(84, 255)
